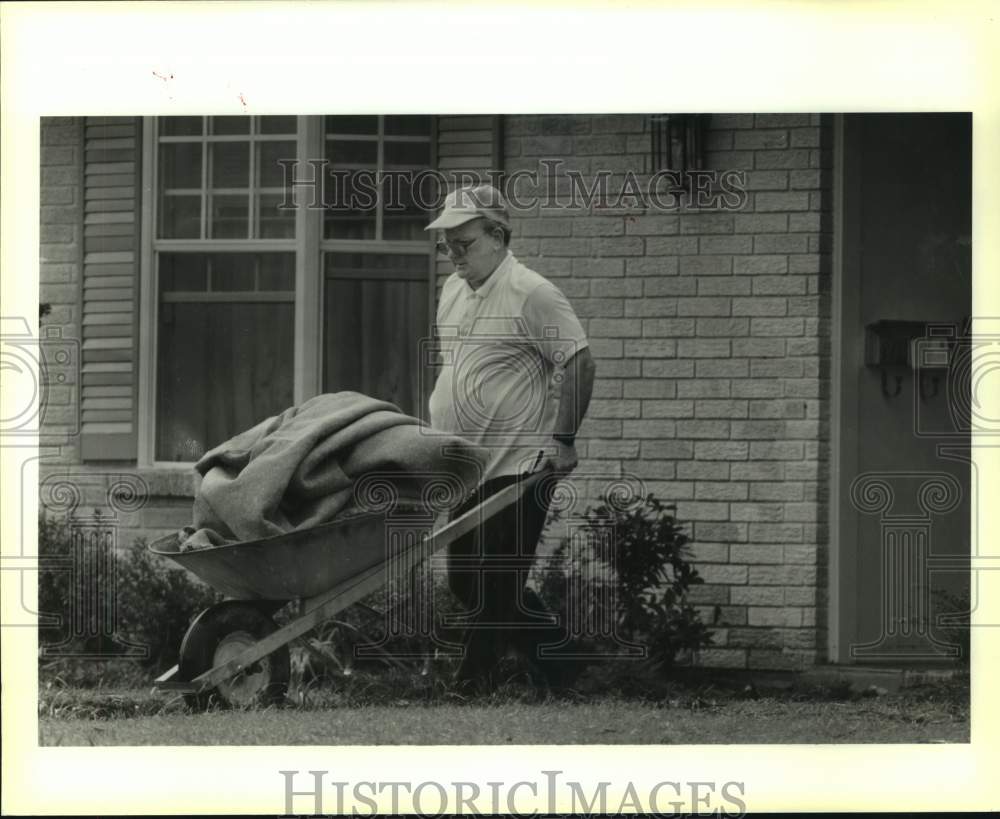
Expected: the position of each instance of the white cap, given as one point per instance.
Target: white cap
(466, 204)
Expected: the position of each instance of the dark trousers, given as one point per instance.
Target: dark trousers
(498, 607)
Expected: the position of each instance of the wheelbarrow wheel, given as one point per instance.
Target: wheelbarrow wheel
(221, 633)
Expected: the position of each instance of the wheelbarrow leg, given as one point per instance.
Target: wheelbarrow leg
(166, 676)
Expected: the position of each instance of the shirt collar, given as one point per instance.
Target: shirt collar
(487, 286)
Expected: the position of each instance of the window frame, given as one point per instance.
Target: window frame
(308, 246)
(208, 190)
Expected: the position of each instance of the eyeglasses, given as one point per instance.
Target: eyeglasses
(458, 247)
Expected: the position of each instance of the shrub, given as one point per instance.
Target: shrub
(955, 611)
(154, 603)
(648, 572)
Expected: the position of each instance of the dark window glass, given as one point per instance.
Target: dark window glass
(180, 126)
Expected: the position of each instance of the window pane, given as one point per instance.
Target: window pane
(230, 216)
(180, 165)
(221, 369)
(350, 207)
(269, 173)
(345, 152)
(408, 265)
(351, 125)
(230, 125)
(408, 125)
(404, 227)
(180, 126)
(277, 271)
(274, 222)
(409, 154)
(402, 218)
(180, 217)
(348, 226)
(232, 272)
(227, 272)
(185, 272)
(278, 125)
(230, 164)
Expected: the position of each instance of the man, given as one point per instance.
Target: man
(516, 379)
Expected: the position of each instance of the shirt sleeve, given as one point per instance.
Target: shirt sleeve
(553, 324)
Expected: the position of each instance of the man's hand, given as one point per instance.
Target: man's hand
(564, 460)
(574, 398)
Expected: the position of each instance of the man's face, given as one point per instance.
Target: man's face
(473, 249)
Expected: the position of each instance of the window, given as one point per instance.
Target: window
(225, 346)
(677, 142)
(256, 307)
(220, 177)
(355, 147)
(376, 304)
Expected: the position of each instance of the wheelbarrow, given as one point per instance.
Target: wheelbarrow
(234, 653)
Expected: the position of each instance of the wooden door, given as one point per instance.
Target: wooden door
(376, 327)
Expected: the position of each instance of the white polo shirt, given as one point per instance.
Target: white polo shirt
(503, 348)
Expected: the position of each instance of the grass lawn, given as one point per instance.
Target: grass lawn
(512, 716)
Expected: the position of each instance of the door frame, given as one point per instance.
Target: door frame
(846, 351)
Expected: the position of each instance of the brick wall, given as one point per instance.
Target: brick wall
(711, 334)
(61, 205)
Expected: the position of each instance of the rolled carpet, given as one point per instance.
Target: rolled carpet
(302, 467)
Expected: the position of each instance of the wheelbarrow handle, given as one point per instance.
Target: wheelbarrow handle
(471, 519)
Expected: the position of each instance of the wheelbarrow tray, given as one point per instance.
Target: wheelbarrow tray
(298, 564)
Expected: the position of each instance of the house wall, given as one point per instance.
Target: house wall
(711, 333)
(155, 502)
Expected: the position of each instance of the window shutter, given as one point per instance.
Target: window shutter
(110, 288)
(469, 143)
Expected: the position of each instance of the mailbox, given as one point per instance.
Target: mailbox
(900, 346)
